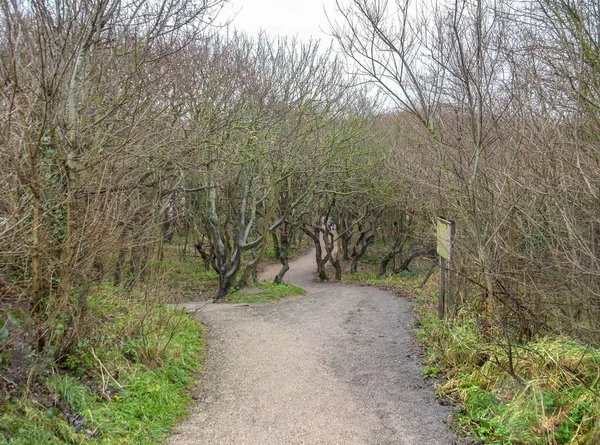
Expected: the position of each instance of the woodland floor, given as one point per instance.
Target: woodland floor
(336, 366)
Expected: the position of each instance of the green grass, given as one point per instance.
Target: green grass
(547, 408)
(554, 400)
(403, 283)
(129, 378)
(263, 292)
(175, 280)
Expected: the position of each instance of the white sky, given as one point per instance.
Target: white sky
(302, 18)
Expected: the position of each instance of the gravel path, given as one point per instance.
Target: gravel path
(336, 366)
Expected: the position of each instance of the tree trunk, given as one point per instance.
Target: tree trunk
(134, 259)
(229, 265)
(144, 259)
(208, 258)
(185, 244)
(315, 236)
(345, 247)
(276, 248)
(365, 239)
(389, 256)
(118, 274)
(284, 268)
(97, 269)
(282, 248)
(321, 262)
(337, 266)
(329, 243)
(412, 255)
(345, 233)
(224, 287)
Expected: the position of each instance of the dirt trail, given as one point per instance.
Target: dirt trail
(337, 366)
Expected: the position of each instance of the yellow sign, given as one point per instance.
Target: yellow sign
(445, 236)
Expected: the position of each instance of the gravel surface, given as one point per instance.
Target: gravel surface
(336, 366)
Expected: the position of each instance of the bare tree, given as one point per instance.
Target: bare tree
(76, 104)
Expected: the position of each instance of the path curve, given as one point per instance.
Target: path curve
(336, 366)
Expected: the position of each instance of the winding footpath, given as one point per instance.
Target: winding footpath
(335, 366)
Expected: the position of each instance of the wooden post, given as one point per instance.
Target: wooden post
(450, 290)
(445, 237)
(442, 295)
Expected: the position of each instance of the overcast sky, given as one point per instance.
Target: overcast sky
(303, 18)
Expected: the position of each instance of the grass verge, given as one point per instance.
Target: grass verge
(263, 292)
(127, 381)
(539, 391)
(176, 279)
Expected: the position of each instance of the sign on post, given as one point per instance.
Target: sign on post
(445, 238)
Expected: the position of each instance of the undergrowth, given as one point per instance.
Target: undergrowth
(263, 292)
(128, 379)
(546, 391)
(181, 279)
(399, 282)
(293, 251)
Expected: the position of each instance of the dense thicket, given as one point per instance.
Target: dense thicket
(126, 121)
(123, 122)
(499, 132)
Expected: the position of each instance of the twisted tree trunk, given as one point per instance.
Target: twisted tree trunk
(366, 237)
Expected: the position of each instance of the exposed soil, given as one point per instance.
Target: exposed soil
(336, 366)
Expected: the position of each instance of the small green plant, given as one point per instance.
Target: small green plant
(569, 427)
(4, 352)
(70, 391)
(432, 371)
